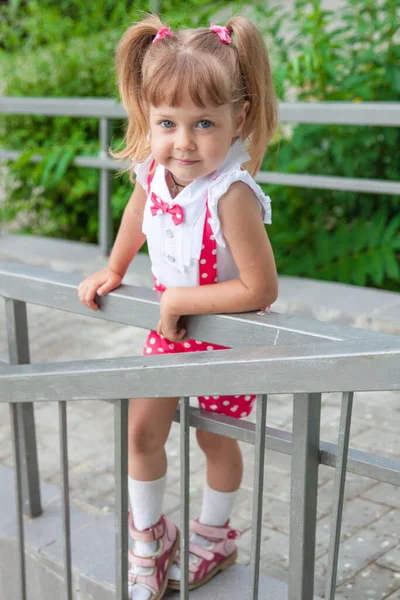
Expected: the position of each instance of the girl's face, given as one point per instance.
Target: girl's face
(191, 141)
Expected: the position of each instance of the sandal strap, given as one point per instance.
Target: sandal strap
(142, 561)
(214, 533)
(201, 552)
(198, 551)
(152, 534)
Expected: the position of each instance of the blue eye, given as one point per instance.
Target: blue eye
(204, 124)
(166, 124)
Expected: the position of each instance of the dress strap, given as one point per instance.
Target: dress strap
(208, 255)
(150, 175)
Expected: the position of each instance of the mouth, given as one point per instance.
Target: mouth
(185, 163)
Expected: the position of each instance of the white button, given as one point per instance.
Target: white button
(171, 258)
(169, 233)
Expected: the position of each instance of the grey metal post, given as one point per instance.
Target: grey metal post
(121, 409)
(338, 495)
(258, 487)
(185, 493)
(18, 348)
(303, 510)
(105, 224)
(62, 414)
(19, 501)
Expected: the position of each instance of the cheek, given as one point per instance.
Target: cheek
(218, 147)
(157, 143)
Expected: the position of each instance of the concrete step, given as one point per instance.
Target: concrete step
(356, 306)
(93, 555)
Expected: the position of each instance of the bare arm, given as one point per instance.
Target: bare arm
(128, 242)
(130, 237)
(257, 285)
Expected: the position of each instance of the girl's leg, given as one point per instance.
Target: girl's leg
(149, 425)
(224, 461)
(224, 475)
(150, 421)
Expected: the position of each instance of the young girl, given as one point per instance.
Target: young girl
(201, 104)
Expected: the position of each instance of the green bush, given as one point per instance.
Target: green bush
(350, 55)
(66, 49)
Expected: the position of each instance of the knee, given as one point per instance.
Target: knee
(144, 440)
(209, 442)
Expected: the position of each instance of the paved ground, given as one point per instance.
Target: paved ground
(369, 566)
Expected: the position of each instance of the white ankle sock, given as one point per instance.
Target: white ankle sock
(215, 511)
(146, 500)
(216, 507)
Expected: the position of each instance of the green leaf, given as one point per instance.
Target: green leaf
(64, 161)
(391, 264)
(392, 230)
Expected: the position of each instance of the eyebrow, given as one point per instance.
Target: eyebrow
(195, 118)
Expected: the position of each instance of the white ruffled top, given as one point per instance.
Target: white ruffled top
(175, 249)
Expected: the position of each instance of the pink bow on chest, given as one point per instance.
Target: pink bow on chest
(158, 207)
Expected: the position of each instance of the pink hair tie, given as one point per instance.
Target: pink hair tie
(222, 32)
(162, 33)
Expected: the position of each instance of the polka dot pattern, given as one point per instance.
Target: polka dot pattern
(233, 406)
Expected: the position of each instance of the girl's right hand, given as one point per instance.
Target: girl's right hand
(99, 283)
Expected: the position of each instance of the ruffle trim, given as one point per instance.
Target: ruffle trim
(141, 170)
(220, 186)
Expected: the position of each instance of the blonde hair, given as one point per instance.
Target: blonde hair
(213, 73)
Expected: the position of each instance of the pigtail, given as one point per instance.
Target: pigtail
(262, 117)
(131, 51)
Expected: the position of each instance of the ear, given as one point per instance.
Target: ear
(240, 117)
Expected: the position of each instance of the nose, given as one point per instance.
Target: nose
(184, 139)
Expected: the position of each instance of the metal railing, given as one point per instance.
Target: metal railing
(273, 354)
(385, 114)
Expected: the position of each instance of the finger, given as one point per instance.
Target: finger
(81, 291)
(175, 336)
(93, 306)
(89, 301)
(181, 334)
(106, 287)
(91, 291)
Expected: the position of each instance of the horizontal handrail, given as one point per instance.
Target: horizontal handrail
(349, 184)
(340, 113)
(345, 113)
(359, 463)
(303, 358)
(322, 367)
(139, 307)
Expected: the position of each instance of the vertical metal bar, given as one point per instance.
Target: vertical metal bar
(18, 348)
(105, 225)
(304, 490)
(338, 496)
(19, 499)
(121, 497)
(185, 490)
(62, 413)
(258, 485)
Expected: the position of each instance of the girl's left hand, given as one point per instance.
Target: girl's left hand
(168, 325)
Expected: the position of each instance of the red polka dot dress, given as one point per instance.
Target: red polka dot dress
(234, 406)
(187, 248)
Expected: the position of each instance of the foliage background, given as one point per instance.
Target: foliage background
(66, 48)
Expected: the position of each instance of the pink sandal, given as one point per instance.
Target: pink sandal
(155, 579)
(217, 556)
